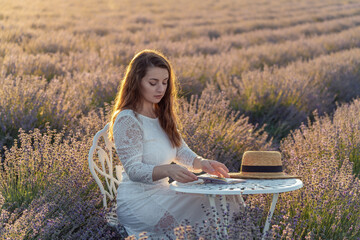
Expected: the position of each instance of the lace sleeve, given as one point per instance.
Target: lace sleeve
(185, 156)
(128, 139)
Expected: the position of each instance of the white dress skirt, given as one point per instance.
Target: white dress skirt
(144, 205)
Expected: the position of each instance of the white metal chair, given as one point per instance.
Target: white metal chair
(103, 165)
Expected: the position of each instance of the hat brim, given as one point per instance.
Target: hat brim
(255, 175)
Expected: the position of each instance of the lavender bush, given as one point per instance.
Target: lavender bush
(38, 186)
(285, 97)
(326, 155)
(29, 102)
(243, 225)
(227, 133)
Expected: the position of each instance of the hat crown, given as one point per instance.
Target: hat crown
(262, 158)
(261, 164)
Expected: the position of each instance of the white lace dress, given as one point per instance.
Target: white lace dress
(144, 204)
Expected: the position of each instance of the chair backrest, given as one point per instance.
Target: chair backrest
(105, 165)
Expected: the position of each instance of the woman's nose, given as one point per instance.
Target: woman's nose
(161, 88)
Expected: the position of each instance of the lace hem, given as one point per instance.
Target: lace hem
(167, 223)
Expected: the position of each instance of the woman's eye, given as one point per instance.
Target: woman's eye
(165, 83)
(152, 84)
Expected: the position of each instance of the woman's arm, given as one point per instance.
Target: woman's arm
(176, 172)
(186, 157)
(128, 139)
(181, 174)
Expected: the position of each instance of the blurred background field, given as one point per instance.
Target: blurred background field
(253, 75)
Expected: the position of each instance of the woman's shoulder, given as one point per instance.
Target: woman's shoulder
(126, 112)
(127, 115)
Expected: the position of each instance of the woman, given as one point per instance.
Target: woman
(143, 127)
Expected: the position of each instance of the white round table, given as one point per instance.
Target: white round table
(251, 186)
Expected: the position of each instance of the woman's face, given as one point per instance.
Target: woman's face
(154, 84)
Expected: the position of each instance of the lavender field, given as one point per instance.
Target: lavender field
(253, 75)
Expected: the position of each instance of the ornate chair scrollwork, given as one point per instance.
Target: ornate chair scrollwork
(106, 172)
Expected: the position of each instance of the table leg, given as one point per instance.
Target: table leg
(224, 203)
(271, 211)
(213, 206)
(242, 200)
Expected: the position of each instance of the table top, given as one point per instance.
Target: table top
(251, 186)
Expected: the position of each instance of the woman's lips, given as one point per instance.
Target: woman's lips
(158, 96)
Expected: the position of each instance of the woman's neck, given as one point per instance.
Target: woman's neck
(148, 110)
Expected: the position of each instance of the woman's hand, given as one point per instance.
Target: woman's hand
(214, 167)
(180, 173)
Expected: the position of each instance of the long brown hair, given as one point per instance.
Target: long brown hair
(129, 95)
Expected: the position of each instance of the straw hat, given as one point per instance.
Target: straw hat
(261, 164)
